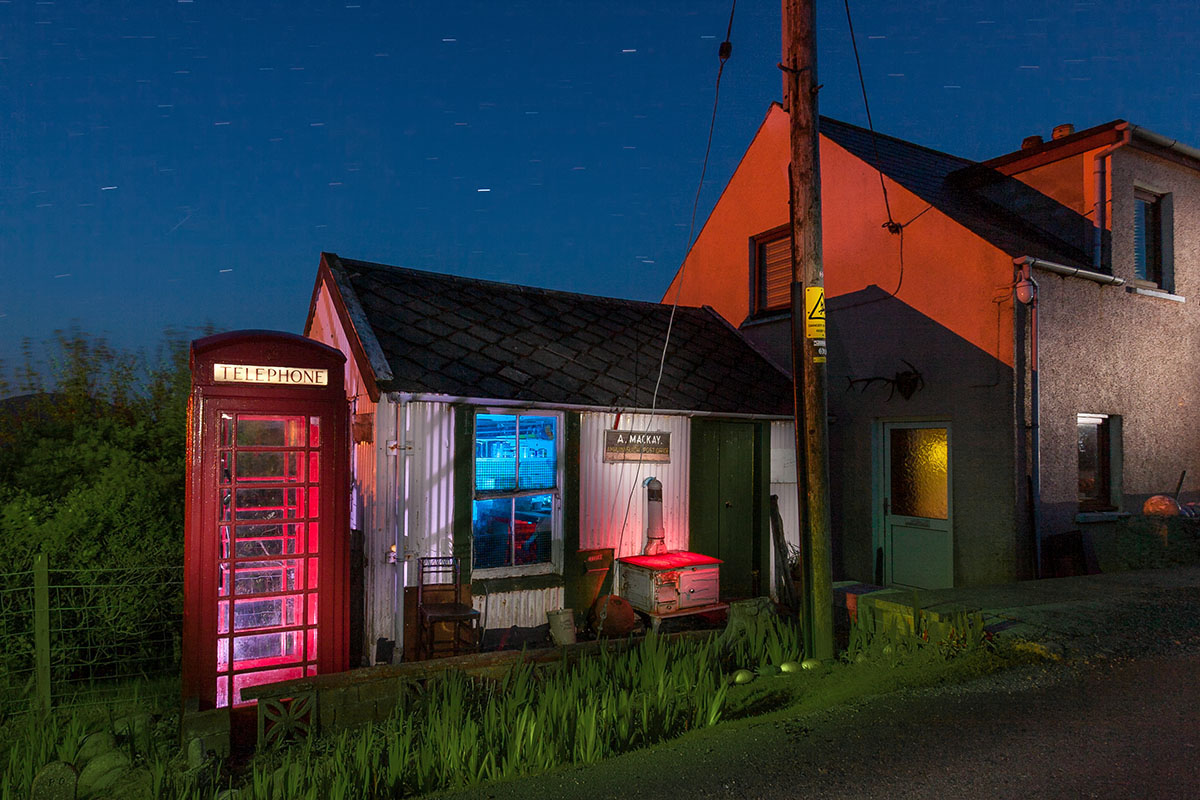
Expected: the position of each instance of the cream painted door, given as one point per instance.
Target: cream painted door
(918, 543)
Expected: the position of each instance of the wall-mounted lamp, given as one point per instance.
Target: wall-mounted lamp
(1026, 289)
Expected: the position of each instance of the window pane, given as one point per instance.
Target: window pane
(268, 540)
(920, 487)
(268, 577)
(538, 464)
(257, 431)
(1139, 239)
(269, 649)
(532, 526)
(492, 526)
(1093, 462)
(775, 268)
(495, 452)
(277, 467)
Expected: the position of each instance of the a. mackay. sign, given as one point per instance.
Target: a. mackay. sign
(647, 446)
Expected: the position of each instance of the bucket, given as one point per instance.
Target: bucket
(562, 625)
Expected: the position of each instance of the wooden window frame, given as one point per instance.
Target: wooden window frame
(554, 565)
(758, 286)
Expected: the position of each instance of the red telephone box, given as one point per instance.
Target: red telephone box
(266, 564)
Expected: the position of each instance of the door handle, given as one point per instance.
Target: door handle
(728, 504)
(886, 507)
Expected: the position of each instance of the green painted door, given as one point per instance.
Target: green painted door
(917, 520)
(724, 517)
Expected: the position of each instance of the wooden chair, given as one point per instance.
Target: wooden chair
(433, 609)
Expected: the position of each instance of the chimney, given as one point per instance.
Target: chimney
(1031, 142)
(1066, 129)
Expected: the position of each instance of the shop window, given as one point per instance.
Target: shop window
(1152, 239)
(516, 524)
(771, 268)
(1099, 440)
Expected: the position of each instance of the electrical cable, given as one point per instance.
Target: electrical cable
(891, 224)
(724, 51)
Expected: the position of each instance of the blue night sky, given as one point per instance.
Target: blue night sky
(177, 162)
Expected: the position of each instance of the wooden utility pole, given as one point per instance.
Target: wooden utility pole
(799, 67)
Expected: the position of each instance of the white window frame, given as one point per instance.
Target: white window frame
(554, 566)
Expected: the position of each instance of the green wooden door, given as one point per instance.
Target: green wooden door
(724, 512)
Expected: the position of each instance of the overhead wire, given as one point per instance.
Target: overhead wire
(893, 227)
(724, 51)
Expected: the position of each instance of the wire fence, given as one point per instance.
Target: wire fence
(75, 637)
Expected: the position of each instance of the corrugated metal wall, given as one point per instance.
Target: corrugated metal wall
(525, 609)
(783, 483)
(604, 491)
(430, 498)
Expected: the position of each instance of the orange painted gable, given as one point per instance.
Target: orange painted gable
(949, 273)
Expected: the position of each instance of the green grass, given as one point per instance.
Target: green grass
(453, 732)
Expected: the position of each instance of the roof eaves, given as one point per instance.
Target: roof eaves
(1058, 149)
(359, 324)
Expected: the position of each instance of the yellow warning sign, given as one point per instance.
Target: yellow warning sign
(814, 312)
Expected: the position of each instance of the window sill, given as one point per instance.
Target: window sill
(1084, 517)
(1159, 293)
(765, 317)
(514, 583)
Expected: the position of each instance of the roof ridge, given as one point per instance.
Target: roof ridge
(506, 285)
(897, 139)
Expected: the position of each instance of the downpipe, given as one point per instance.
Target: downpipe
(1026, 290)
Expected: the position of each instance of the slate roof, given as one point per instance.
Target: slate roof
(462, 337)
(1014, 217)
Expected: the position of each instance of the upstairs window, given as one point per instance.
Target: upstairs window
(515, 519)
(1148, 238)
(1099, 438)
(771, 254)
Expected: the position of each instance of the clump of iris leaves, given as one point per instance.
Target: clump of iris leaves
(456, 731)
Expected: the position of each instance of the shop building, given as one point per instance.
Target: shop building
(512, 427)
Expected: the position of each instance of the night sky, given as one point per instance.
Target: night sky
(181, 162)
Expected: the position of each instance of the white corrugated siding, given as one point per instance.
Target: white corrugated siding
(525, 608)
(604, 489)
(430, 500)
(783, 484)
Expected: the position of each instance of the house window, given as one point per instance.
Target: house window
(1099, 461)
(771, 256)
(515, 515)
(1148, 237)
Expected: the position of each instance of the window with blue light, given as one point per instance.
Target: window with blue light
(516, 491)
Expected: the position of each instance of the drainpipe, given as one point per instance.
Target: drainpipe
(1100, 208)
(1027, 293)
(401, 527)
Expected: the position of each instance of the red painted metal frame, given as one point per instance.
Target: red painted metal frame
(201, 542)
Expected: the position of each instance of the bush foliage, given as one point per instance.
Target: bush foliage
(92, 453)
(92, 457)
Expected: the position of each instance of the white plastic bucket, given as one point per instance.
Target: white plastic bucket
(562, 625)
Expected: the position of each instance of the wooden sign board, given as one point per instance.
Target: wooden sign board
(650, 447)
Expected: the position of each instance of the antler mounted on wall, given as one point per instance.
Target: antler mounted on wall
(907, 382)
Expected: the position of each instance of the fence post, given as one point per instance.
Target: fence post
(41, 630)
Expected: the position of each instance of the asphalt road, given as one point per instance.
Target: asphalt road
(1119, 718)
(1094, 728)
